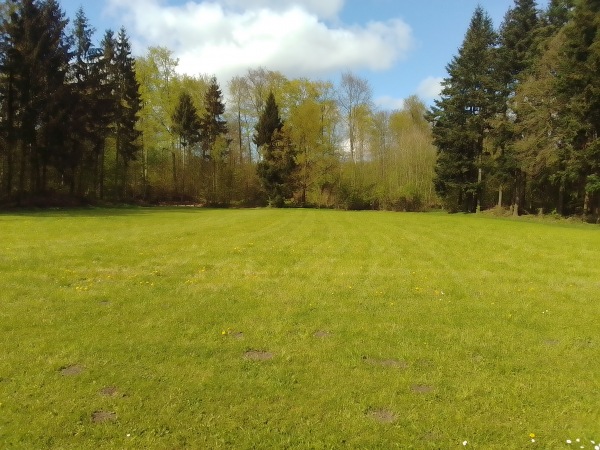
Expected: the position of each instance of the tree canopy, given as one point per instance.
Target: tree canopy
(516, 125)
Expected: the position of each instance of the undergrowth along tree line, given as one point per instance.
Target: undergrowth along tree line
(516, 125)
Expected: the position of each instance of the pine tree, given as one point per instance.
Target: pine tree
(277, 165)
(76, 121)
(268, 123)
(540, 144)
(213, 124)
(214, 131)
(104, 71)
(36, 59)
(128, 104)
(514, 61)
(578, 86)
(9, 61)
(186, 122)
(461, 118)
(187, 126)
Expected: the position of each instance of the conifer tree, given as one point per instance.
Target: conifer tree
(540, 145)
(277, 164)
(9, 60)
(514, 61)
(213, 124)
(36, 56)
(186, 122)
(461, 118)
(127, 107)
(187, 126)
(105, 72)
(214, 130)
(578, 86)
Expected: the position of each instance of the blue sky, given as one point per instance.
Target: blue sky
(401, 46)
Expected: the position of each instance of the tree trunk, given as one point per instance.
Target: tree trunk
(500, 192)
(144, 170)
(586, 203)
(517, 195)
(101, 171)
(561, 198)
(9, 169)
(240, 135)
(124, 182)
(23, 167)
(174, 173)
(479, 178)
(117, 144)
(10, 141)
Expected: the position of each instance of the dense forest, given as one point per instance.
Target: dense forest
(516, 125)
(518, 120)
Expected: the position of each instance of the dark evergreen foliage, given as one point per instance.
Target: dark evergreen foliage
(212, 123)
(186, 122)
(277, 165)
(60, 98)
(128, 104)
(578, 87)
(461, 118)
(513, 61)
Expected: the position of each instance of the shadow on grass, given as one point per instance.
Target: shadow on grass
(111, 211)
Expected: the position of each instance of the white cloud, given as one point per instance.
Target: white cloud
(430, 88)
(210, 38)
(322, 8)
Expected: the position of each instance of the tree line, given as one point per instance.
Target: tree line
(516, 125)
(518, 121)
(87, 120)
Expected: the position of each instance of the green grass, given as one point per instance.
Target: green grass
(432, 330)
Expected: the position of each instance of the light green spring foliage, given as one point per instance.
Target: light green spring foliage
(383, 330)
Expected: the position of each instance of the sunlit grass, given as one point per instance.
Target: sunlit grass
(181, 328)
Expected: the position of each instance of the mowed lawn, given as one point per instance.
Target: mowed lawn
(190, 328)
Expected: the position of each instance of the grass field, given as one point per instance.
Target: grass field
(186, 328)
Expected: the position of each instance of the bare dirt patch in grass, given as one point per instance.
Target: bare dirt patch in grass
(393, 363)
(258, 355)
(70, 371)
(551, 342)
(382, 415)
(322, 334)
(109, 391)
(421, 388)
(103, 416)
(237, 335)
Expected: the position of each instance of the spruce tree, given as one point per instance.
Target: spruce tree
(104, 71)
(214, 130)
(128, 104)
(186, 125)
(578, 86)
(37, 57)
(72, 146)
(539, 143)
(461, 118)
(9, 61)
(213, 124)
(277, 165)
(514, 61)
(186, 122)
